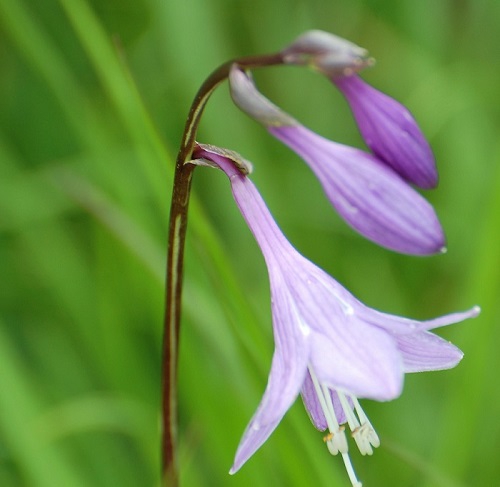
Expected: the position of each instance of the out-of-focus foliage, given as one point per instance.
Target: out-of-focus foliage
(94, 95)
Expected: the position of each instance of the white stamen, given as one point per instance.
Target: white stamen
(351, 418)
(350, 471)
(339, 440)
(365, 422)
(362, 430)
(336, 440)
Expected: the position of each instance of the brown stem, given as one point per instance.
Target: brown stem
(175, 253)
(177, 233)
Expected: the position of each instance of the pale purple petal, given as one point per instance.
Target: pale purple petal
(287, 374)
(390, 131)
(312, 405)
(337, 406)
(425, 351)
(283, 387)
(349, 354)
(398, 325)
(372, 198)
(367, 365)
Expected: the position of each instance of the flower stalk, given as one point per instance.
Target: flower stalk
(175, 257)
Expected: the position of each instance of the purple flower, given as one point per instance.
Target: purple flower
(390, 131)
(328, 345)
(388, 128)
(371, 197)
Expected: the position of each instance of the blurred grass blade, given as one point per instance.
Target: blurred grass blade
(39, 463)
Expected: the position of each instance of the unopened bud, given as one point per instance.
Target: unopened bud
(328, 53)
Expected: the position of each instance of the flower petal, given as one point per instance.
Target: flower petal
(347, 353)
(370, 197)
(390, 131)
(313, 406)
(398, 325)
(425, 351)
(362, 361)
(288, 371)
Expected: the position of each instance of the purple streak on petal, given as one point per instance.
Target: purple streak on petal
(337, 406)
(390, 131)
(425, 351)
(371, 197)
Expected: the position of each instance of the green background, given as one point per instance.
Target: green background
(93, 98)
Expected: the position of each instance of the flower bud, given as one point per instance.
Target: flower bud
(327, 53)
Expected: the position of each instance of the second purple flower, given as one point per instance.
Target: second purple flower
(370, 196)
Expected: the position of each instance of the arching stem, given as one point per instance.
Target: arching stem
(175, 253)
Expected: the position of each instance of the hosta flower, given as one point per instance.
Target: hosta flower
(328, 345)
(387, 127)
(370, 196)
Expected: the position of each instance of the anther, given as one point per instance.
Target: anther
(336, 441)
(363, 432)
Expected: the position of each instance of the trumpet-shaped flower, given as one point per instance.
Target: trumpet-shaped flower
(370, 196)
(328, 345)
